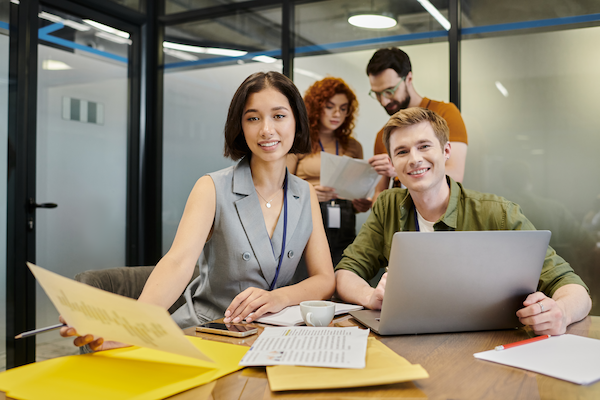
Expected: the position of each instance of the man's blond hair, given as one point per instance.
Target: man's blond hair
(412, 116)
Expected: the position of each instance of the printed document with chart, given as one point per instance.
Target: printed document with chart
(309, 346)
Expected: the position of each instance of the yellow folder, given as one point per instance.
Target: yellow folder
(132, 373)
(383, 367)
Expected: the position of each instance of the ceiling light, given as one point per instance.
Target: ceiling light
(435, 13)
(106, 28)
(60, 20)
(204, 50)
(113, 38)
(180, 54)
(265, 59)
(502, 89)
(372, 21)
(53, 65)
(308, 73)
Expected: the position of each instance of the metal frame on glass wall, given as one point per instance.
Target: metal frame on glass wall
(144, 152)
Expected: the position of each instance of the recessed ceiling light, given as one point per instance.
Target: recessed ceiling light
(372, 21)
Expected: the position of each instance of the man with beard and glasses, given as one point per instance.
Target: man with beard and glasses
(391, 78)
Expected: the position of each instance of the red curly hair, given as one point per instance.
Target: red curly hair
(316, 98)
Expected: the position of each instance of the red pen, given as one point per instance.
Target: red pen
(515, 344)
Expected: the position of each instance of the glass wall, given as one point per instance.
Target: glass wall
(491, 12)
(4, 52)
(529, 103)
(199, 82)
(81, 153)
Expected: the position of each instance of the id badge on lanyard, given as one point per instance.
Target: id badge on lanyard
(334, 215)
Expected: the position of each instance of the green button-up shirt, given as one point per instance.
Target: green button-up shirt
(467, 210)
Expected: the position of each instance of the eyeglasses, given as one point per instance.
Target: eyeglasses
(387, 93)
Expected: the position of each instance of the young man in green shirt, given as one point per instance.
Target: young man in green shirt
(417, 142)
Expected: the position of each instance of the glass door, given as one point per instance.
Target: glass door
(82, 126)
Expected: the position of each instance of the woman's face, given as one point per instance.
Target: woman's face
(269, 125)
(335, 112)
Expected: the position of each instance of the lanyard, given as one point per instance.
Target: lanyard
(337, 150)
(417, 221)
(285, 182)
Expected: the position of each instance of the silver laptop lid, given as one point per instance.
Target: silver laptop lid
(460, 281)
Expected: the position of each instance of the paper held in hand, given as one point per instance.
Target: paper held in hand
(350, 177)
(309, 346)
(93, 311)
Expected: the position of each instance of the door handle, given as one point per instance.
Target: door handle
(33, 205)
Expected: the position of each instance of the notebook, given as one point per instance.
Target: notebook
(457, 281)
(291, 316)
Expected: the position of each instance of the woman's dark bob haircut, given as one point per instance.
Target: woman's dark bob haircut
(235, 143)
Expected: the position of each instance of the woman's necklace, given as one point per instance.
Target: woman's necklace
(267, 202)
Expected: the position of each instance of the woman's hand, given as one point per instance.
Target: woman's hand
(325, 193)
(256, 302)
(361, 205)
(96, 344)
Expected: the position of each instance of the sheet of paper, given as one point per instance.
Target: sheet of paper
(292, 315)
(383, 367)
(309, 346)
(350, 177)
(132, 373)
(569, 357)
(114, 317)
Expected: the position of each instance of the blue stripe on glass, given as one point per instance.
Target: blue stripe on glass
(313, 48)
(542, 23)
(43, 34)
(4, 25)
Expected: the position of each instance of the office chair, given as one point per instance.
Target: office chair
(126, 281)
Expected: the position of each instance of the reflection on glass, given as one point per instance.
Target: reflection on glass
(244, 37)
(491, 12)
(81, 154)
(204, 64)
(4, 54)
(325, 26)
(536, 142)
(177, 6)
(138, 5)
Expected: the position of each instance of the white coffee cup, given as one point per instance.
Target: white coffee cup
(317, 312)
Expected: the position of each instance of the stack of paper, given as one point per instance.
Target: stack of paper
(383, 367)
(569, 357)
(291, 316)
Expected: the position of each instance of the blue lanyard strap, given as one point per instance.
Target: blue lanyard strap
(417, 221)
(337, 148)
(285, 182)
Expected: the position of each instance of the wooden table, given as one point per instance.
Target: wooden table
(448, 358)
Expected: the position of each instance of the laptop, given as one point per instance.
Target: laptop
(457, 281)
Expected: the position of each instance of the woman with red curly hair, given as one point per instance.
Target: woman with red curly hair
(331, 106)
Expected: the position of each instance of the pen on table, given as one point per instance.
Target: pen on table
(41, 330)
(526, 341)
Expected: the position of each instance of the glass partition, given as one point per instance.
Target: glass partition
(177, 6)
(492, 12)
(4, 54)
(529, 103)
(81, 154)
(197, 93)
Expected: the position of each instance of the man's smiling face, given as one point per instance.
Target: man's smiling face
(418, 157)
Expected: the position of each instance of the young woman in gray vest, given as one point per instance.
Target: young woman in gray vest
(248, 224)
